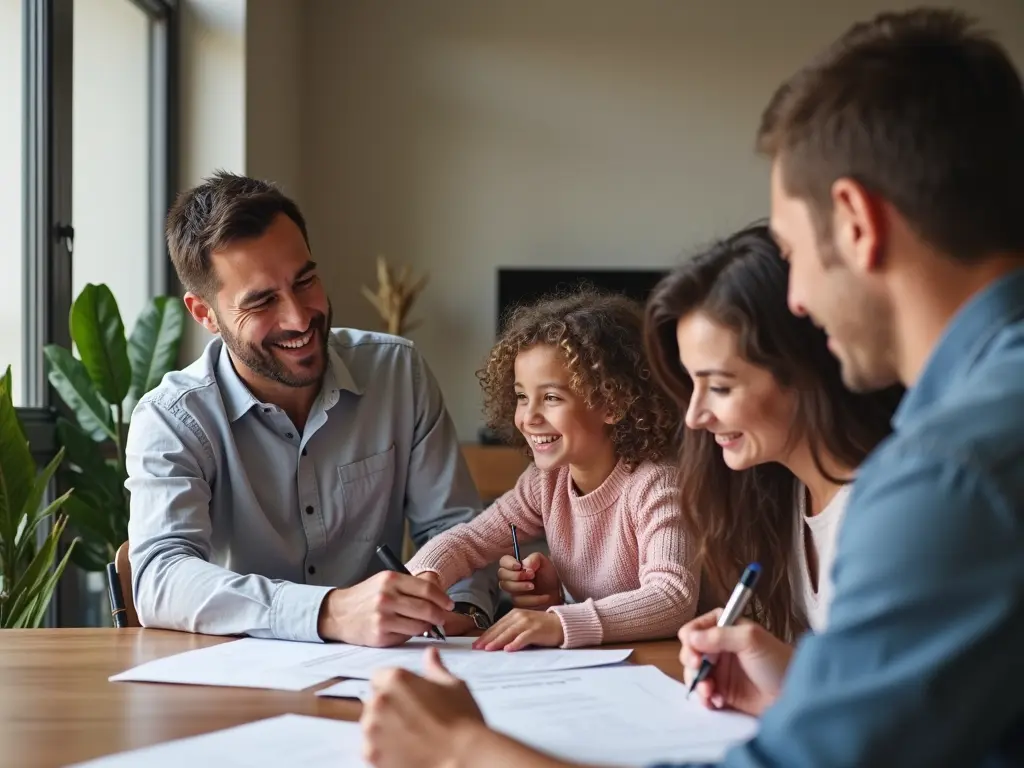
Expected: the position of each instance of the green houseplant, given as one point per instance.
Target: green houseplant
(28, 576)
(101, 388)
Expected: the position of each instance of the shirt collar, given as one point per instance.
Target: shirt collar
(238, 399)
(963, 342)
(338, 375)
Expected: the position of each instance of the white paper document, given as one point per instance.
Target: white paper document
(287, 740)
(245, 663)
(292, 666)
(460, 658)
(623, 715)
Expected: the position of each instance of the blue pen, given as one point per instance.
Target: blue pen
(733, 610)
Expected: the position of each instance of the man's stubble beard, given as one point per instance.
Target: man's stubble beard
(262, 361)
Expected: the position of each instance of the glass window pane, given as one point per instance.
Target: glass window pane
(12, 112)
(110, 151)
(110, 186)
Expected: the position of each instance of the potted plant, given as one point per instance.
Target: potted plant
(28, 574)
(101, 388)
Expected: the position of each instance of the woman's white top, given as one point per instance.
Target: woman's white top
(814, 596)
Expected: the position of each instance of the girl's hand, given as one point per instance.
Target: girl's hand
(520, 628)
(532, 584)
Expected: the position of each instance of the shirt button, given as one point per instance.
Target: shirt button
(289, 435)
(309, 510)
(312, 569)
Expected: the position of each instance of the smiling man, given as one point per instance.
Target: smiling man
(264, 475)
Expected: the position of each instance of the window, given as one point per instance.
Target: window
(12, 287)
(110, 147)
(86, 121)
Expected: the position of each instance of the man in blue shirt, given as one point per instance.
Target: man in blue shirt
(897, 158)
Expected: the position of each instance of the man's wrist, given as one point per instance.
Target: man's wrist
(467, 736)
(480, 617)
(325, 620)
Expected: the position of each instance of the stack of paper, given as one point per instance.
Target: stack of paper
(287, 740)
(283, 665)
(582, 705)
(609, 716)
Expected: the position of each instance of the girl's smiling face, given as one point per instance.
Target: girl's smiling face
(558, 425)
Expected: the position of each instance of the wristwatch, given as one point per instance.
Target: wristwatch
(479, 617)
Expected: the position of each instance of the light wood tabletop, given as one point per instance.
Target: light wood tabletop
(57, 707)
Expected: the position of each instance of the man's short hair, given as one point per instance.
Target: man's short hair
(922, 109)
(209, 217)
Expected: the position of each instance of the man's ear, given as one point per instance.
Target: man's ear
(202, 312)
(859, 225)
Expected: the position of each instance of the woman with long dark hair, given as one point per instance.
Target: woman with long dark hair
(772, 435)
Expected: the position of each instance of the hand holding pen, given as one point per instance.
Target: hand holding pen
(392, 563)
(531, 582)
(731, 662)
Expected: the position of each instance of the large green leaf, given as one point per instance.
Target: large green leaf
(154, 343)
(32, 506)
(7, 384)
(34, 587)
(71, 380)
(98, 332)
(92, 518)
(17, 472)
(45, 593)
(28, 583)
(88, 468)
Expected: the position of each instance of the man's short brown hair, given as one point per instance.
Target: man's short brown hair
(922, 109)
(209, 217)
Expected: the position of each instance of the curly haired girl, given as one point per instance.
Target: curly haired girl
(569, 381)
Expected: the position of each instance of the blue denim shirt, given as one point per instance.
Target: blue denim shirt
(922, 663)
(241, 523)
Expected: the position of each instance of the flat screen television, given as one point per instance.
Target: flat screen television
(525, 285)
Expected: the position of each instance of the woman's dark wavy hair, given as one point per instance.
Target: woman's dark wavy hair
(747, 516)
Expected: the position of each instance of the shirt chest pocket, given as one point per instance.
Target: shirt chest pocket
(364, 495)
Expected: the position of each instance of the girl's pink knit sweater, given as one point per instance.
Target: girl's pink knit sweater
(620, 550)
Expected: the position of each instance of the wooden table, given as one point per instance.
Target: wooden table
(56, 706)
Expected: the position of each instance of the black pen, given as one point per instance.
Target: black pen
(515, 543)
(733, 609)
(392, 563)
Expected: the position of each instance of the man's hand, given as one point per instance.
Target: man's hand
(414, 722)
(386, 609)
(750, 663)
(455, 624)
(522, 627)
(532, 584)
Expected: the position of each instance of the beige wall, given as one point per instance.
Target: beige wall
(213, 120)
(274, 85)
(459, 135)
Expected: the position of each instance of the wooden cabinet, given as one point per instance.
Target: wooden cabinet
(495, 468)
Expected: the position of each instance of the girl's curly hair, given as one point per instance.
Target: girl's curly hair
(601, 339)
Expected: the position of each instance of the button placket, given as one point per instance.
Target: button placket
(309, 504)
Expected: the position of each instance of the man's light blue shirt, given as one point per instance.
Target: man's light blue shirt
(241, 523)
(922, 663)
